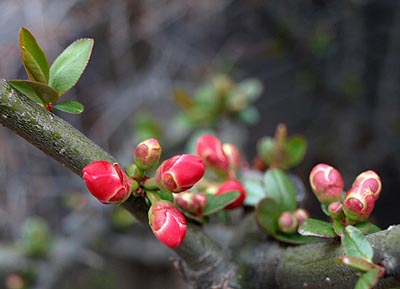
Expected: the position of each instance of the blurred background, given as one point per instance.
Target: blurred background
(329, 70)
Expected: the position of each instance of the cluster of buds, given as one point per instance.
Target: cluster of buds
(111, 185)
(224, 159)
(359, 201)
(288, 222)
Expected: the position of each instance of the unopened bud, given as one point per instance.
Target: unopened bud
(327, 183)
(209, 149)
(301, 215)
(358, 205)
(287, 223)
(193, 203)
(167, 223)
(229, 186)
(180, 173)
(147, 154)
(369, 180)
(107, 182)
(233, 155)
(335, 210)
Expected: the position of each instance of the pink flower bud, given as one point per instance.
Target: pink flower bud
(147, 153)
(358, 204)
(193, 203)
(167, 223)
(287, 223)
(301, 215)
(327, 183)
(209, 149)
(229, 186)
(369, 180)
(335, 210)
(180, 173)
(233, 155)
(107, 182)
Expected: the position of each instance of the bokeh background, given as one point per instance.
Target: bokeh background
(330, 71)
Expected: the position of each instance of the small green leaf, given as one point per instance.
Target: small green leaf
(182, 98)
(279, 187)
(33, 57)
(296, 147)
(359, 264)
(367, 228)
(252, 88)
(38, 92)
(368, 280)
(255, 192)
(70, 64)
(317, 228)
(324, 208)
(70, 106)
(249, 115)
(265, 147)
(295, 239)
(267, 214)
(338, 227)
(216, 203)
(355, 244)
(166, 196)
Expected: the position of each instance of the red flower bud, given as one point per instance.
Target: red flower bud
(180, 173)
(369, 180)
(301, 215)
(287, 223)
(358, 204)
(327, 183)
(335, 210)
(229, 186)
(107, 182)
(233, 155)
(193, 203)
(147, 153)
(209, 148)
(167, 223)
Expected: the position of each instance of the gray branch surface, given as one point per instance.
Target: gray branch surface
(253, 262)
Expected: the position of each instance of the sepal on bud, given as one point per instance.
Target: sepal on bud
(180, 173)
(147, 153)
(229, 186)
(107, 182)
(167, 223)
(194, 203)
(327, 183)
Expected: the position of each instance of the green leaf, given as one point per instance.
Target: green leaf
(338, 227)
(252, 88)
(70, 106)
(255, 192)
(324, 208)
(166, 196)
(317, 228)
(279, 187)
(182, 98)
(267, 214)
(70, 64)
(216, 203)
(296, 147)
(36, 91)
(249, 115)
(265, 147)
(367, 228)
(368, 280)
(355, 244)
(295, 239)
(359, 264)
(33, 57)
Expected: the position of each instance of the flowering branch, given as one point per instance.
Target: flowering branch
(262, 264)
